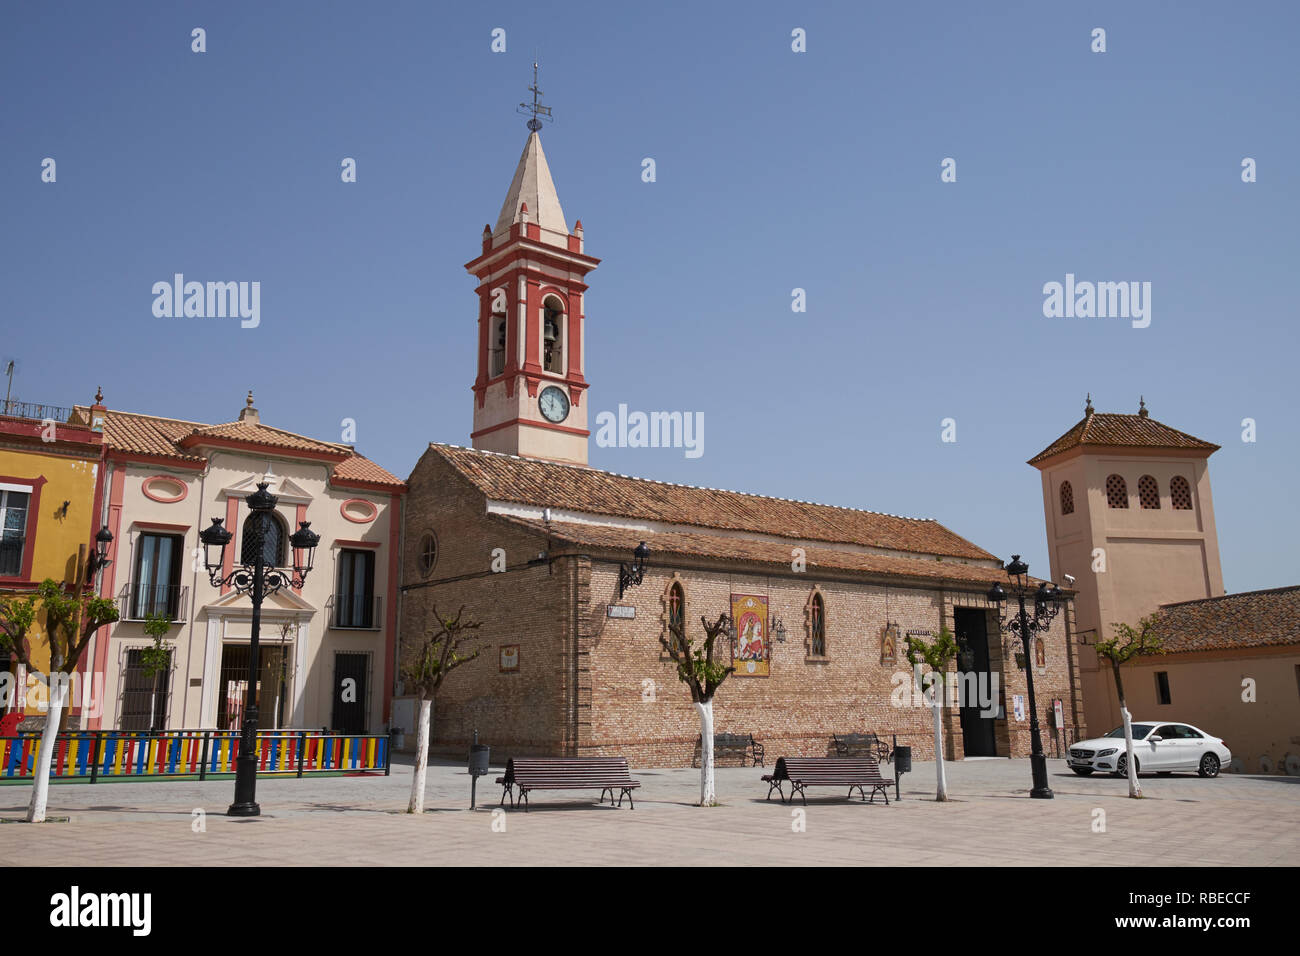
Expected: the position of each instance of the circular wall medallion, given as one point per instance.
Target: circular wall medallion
(165, 489)
(428, 553)
(359, 511)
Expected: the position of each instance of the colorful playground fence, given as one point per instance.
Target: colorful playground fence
(93, 755)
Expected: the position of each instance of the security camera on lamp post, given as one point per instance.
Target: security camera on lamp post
(256, 576)
(1047, 604)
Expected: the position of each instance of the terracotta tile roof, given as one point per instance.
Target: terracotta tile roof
(733, 548)
(361, 468)
(259, 434)
(1249, 619)
(1130, 431)
(148, 435)
(553, 485)
(174, 438)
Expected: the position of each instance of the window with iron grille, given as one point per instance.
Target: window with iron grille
(13, 531)
(1116, 492)
(676, 600)
(1180, 492)
(1149, 493)
(354, 601)
(157, 584)
(817, 626)
(274, 684)
(144, 696)
(1067, 498)
(497, 346)
(272, 537)
(351, 692)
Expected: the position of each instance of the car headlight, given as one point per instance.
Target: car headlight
(1107, 753)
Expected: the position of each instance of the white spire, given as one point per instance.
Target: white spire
(532, 185)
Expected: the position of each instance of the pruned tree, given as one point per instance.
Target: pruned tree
(156, 659)
(938, 656)
(702, 675)
(71, 620)
(425, 665)
(1130, 642)
(17, 616)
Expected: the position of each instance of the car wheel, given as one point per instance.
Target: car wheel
(1209, 766)
(1121, 766)
(1082, 771)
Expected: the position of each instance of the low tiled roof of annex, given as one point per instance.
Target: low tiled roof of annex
(1247, 619)
(539, 483)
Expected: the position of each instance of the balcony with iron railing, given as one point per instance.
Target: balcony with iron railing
(16, 409)
(136, 602)
(11, 555)
(350, 612)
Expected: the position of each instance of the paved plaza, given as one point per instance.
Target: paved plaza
(990, 820)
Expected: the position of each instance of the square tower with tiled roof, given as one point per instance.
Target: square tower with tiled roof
(1130, 517)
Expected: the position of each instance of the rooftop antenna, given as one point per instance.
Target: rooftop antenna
(538, 111)
(9, 370)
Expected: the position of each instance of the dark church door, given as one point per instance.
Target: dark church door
(974, 680)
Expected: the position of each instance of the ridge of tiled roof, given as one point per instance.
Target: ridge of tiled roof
(540, 483)
(1267, 618)
(733, 548)
(1113, 429)
(261, 434)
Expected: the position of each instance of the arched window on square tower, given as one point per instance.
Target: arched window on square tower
(553, 335)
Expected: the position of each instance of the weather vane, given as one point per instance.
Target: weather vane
(538, 111)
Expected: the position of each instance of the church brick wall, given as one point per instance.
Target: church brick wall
(583, 685)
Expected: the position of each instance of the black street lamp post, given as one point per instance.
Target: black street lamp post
(257, 576)
(1047, 604)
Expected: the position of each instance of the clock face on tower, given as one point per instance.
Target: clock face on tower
(554, 404)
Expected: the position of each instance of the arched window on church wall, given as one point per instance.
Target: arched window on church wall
(1180, 493)
(815, 617)
(1067, 498)
(1149, 493)
(1116, 492)
(674, 610)
(553, 334)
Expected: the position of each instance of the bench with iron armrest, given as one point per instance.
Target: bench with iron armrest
(524, 774)
(858, 745)
(743, 746)
(856, 773)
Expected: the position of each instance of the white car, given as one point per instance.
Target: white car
(1157, 746)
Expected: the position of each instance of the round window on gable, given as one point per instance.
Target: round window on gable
(428, 552)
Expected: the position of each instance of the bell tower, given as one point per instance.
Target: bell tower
(529, 393)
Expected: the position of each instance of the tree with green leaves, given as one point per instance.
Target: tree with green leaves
(702, 674)
(71, 620)
(425, 665)
(938, 655)
(1129, 642)
(157, 657)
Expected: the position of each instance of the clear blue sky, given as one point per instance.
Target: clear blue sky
(776, 170)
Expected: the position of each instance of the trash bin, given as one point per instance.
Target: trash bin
(478, 759)
(902, 759)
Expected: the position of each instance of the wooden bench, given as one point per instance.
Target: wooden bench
(859, 745)
(853, 772)
(567, 773)
(743, 746)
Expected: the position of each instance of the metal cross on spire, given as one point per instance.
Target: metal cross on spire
(538, 111)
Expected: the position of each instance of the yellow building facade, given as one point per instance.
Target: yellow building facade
(50, 496)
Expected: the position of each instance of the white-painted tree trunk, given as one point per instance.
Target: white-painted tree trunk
(940, 778)
(49, 741)
(421, 758)
(708, 793)
(1134, 788)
